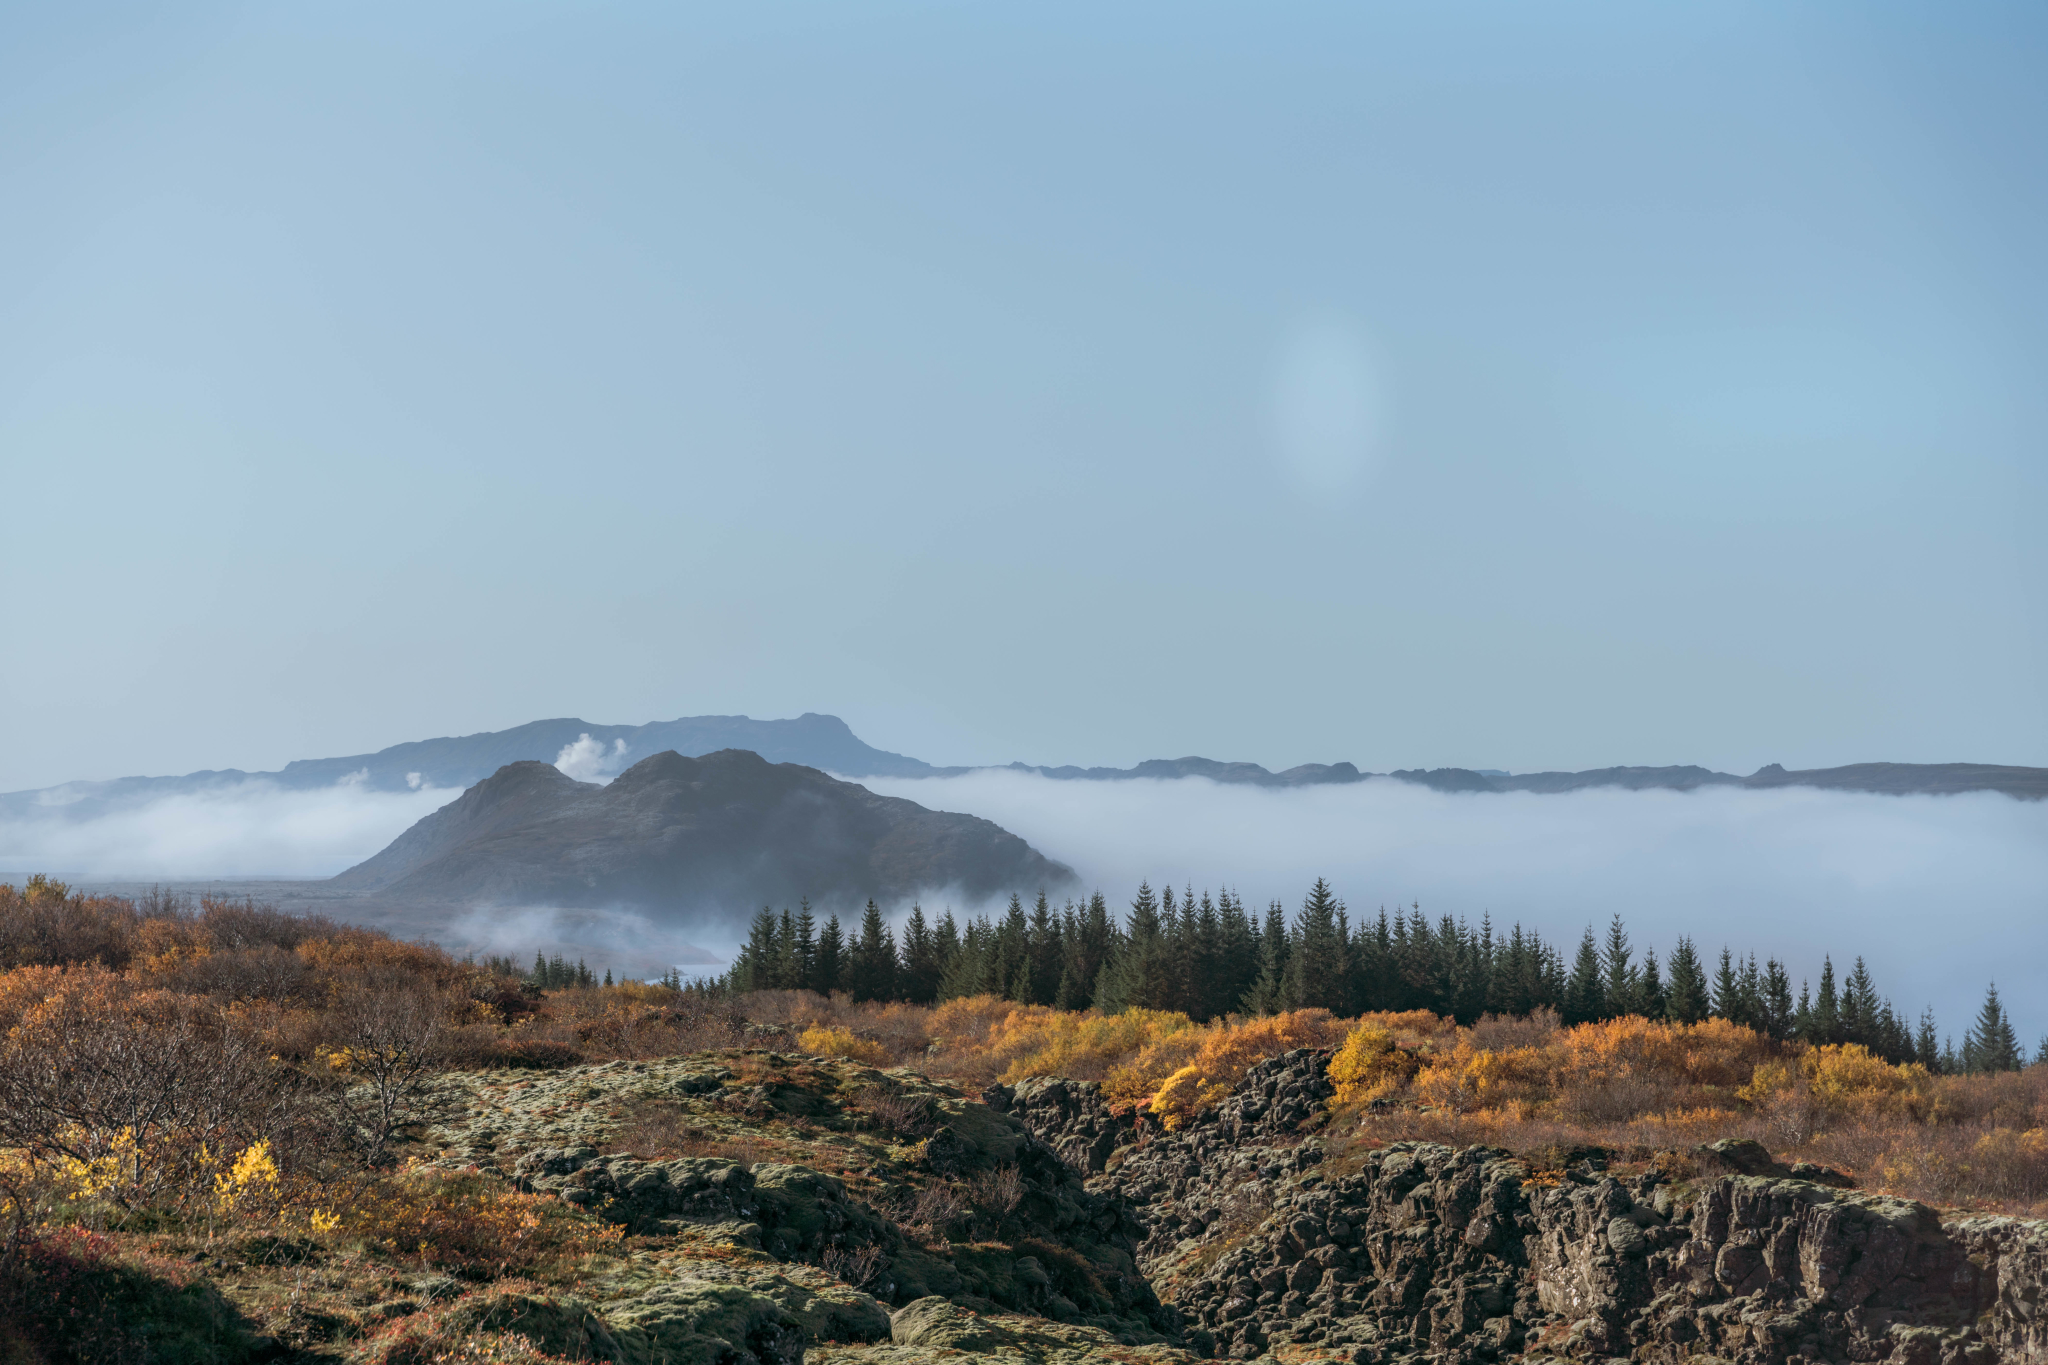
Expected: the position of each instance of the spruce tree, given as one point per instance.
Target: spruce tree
(1208, 988)
(1991, 1045)
(1777, 1001)
(1727, 988)
(1141, 970)
(831, 960)
(945, 940)
(1927, 1042)
(1264, 995)
(1317, 970)
(787, 976)
(1860, 1007)
(1043, 950)
(919, 980)
(1685, 999)
(806, 963)
(871, 969)
(1086, 950)
(1585, 996)
(962, 975)
(1827, 1007)
(1651, 989)
(1621, 977)
(1240, 960)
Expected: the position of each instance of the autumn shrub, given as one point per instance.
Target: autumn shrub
(1231, 1049)
(469, 1224)
(837, 1041)
(1371, 1063)
(1131, 1052)
(385, 1062)
(45, 924)
(131, 1095)
(635, 1019)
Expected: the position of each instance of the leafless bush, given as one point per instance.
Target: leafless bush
(1621, 1098)
(998, 1191)
(935, 1210)
(232, 925)
(99, 1073)
(894, 1112)
(263, 972)
(386, 1049)
(856, 1266)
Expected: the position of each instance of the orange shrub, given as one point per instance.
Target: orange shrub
(1231, 1049)
(842, 1042)
(1381, 1053)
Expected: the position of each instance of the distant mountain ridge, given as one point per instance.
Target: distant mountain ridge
(1887, 778)
(681, 835)
(827, 743)
(457, 762)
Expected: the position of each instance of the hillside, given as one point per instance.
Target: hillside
(672, 833)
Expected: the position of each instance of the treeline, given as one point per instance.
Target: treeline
(1210, 956)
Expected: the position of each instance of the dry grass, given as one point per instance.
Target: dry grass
(660, 1130)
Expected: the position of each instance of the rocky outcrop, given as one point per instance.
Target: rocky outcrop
(1417, 1252)
(1070, 1117)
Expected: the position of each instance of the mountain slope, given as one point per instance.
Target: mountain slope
(723, 832)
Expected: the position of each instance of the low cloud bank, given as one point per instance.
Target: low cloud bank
(1940, 894)
(625, 941)
(250, 829)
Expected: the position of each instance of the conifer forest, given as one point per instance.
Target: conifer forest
(1210, 956)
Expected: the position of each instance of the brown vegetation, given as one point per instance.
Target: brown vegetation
(201, 1070)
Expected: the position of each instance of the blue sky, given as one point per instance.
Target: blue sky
(1436, 385)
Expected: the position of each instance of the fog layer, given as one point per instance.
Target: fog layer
(250, 829)
(1939, 894)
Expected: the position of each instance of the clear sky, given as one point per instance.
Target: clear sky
(1497, 386)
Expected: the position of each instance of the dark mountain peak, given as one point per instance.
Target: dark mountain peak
(719, 834)
(1770, 770)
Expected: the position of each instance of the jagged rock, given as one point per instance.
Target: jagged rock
(1069, 1116)
(1261, 1243)
(1747, 1156)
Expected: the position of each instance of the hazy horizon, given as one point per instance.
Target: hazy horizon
(1791, 872)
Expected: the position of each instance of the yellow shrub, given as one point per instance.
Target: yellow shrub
(842, 1042)
(1186, 1093)
(1229, 1050)
(1768, 1081)
(1371, 1065)
(1084, 1046)
(1847, 1079)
